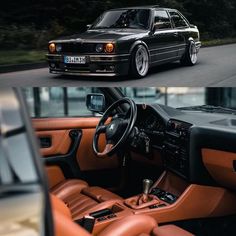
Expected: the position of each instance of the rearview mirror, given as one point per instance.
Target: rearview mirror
(95, 102)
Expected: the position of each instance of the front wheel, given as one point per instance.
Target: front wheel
(190, 56)
(139, 61)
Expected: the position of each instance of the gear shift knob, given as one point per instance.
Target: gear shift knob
(147, 183)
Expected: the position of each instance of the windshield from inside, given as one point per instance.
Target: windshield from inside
(60, 102)
(128, 18)
(187, 98)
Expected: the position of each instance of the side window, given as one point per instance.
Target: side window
(178, 20)
(162, 20)
(58, 101)
(16, 164)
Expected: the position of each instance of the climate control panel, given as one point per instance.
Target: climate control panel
(176, 147)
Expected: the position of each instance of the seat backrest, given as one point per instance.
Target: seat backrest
(63, 223)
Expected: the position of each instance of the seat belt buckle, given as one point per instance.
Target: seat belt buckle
(87, 222)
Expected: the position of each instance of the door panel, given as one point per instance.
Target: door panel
(42, 124)
(61, 163)
(60, 142)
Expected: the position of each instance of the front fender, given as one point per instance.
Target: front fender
(138, 42)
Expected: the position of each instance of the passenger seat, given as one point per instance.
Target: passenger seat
(79, 197)
(135, 225)
(170, 230)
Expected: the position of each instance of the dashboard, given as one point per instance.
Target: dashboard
(180, 136)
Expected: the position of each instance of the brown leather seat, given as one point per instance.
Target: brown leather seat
(135, 225)
(79, 197)
(170, 230)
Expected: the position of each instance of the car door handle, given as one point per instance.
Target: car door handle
(45, 142)
(176, 34)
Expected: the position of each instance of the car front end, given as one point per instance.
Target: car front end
(73, 57)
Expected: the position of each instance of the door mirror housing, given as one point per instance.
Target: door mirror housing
(95, 102)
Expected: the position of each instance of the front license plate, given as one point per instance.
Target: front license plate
(74, 60)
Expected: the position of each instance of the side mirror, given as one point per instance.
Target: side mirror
(95, 102)
(89, 26)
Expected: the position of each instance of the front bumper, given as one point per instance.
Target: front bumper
(96, 65)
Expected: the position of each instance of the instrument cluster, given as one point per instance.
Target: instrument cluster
(148, 121)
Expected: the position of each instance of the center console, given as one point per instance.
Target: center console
(169, 199)
(176, 147)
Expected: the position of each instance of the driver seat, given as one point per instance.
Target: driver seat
(79, 197)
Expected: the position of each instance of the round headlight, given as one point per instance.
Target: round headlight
(109, 47)
(52, 47)
(99, 47)
(58, 47)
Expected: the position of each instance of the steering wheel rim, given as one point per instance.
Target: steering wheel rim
(102, 127)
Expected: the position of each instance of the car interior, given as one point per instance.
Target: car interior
(139, 169)
(141, 162)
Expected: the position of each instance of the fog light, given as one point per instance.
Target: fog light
(99, 47)
(52, 47)
(58, 47)
(109, 47)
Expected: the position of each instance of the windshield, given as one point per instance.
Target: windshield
(218, 100)
(130, 18)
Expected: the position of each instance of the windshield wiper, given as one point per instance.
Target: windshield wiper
(210, 108)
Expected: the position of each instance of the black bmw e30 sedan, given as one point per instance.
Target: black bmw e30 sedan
(126, 41)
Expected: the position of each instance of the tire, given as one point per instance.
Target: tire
(190, 56)
(139, 62)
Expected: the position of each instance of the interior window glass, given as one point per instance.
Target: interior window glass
(20, 159)
(77, 101)
(171, 96)
(178, 20)
(5, 172)
(58, 101)
(162, 20)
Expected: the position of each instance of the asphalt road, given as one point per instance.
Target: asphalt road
(216, 67)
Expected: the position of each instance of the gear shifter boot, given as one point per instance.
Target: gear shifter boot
(144, 198)
(141, 201)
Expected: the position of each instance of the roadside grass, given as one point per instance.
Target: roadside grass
(13, 57)
(217, 42)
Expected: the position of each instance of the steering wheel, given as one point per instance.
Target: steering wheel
(118, 130)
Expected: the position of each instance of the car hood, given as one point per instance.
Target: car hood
(104, 35)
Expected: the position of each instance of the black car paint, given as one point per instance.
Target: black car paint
(163, 46)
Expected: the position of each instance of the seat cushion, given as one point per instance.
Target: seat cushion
(58, 205)
(170, 230)
(134, 225)
(65, 226)
(80, 198)
(68, 187)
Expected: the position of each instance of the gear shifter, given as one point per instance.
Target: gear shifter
(145, 199)
(147, 183)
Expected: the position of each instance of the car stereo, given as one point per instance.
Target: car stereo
(176, 147)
